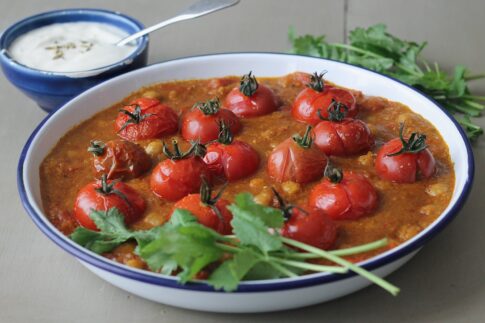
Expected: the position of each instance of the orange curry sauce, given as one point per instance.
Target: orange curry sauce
(404, 209)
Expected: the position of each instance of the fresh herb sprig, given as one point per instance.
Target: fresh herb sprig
(255, 251)
(378, 50)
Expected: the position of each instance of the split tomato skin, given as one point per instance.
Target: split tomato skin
(291, 162)
(352, 198)
(309, 101)
(232, 161)
(121, 159)
(88, 199)
(174, 179)
(157, 120)
(314, 228)
(196, 125)
(262, 102)
(405, 167)
(205, 214)
(343, 138)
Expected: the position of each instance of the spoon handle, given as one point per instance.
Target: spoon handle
(200, 8)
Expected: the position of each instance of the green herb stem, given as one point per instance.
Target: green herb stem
(372, 54)
(336, 259)
(345, 252)
(310, 266)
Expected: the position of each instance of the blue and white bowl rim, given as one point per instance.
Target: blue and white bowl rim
(247, 286)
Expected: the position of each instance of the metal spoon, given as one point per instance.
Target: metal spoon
(200, 8)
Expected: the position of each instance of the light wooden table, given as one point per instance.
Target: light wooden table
(445, 282)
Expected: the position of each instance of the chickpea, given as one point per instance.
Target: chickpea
(408, 231)
(150, 94)
(257, 183)
(436, 189)
(135, 263)
(366, 160)
(154, 219)
(427, 209)
(265, 197)
(291, 188)
(154, 148)
(172, 95)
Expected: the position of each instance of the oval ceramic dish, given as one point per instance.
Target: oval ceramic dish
(251, 296)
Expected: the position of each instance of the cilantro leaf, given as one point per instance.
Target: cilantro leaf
(112, 232)
(228, 275)
(185, 242)
(376, 49)
(251, 223)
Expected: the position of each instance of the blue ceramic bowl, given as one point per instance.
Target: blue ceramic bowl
(50, 89)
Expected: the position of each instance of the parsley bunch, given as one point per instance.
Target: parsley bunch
(374, 48)
(184, 247)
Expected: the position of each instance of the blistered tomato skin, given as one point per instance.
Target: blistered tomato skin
(350, 199)
(198, 126)
(405, 167)
(291, 162)
(309, 102)
(232, 161)
(251, 99)
(121, 159)
(313, 228)
(344, 138)
(205, 214)
(131, 206)
(174, 179)
(146, 118)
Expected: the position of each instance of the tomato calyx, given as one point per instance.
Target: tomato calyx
(108, 188)
(306, 141)
(316, 81)
(334, 174)
(415, 143)
(209, 107)
(96, 147)
(207, 199)
(197, 149)
(337, 111)
(248, 84)
(286, 208)
(225, 136)
(135, 117)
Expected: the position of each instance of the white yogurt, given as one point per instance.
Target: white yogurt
(70, 47)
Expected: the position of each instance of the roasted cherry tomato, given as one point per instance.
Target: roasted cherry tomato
(103, 195)
(343, 195)
(180, 174)
(314, 100)
(312, 227)
(297, 159)
(405, 160)
(251, 99)
(119, 159)
(146, 119)
(232, 159)
(341, 136)
(209, 211)
(202, 122)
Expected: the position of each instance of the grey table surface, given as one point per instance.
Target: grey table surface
(445, 282)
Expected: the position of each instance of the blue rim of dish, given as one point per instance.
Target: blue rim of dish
(140, 47)
(278, 284)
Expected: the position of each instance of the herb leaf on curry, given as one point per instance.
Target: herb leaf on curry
(256, 251)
